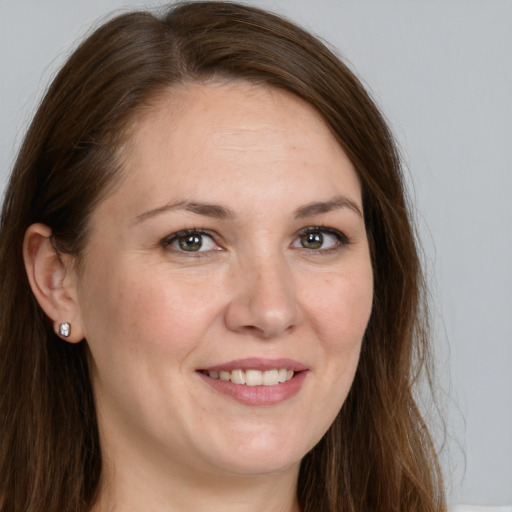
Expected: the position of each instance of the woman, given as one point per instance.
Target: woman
(219, 303)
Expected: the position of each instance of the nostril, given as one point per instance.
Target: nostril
(264, 305)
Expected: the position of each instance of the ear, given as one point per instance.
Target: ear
(53, 281)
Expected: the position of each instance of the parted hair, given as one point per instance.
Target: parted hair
(378, 455)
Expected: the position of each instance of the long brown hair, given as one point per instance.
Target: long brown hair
(378, 454)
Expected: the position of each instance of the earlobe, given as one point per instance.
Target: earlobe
(50, 277)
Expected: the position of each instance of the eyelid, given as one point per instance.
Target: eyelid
(326, 229)
(343, 239)
(168, 240)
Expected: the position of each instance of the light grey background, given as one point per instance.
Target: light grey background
(442, 73)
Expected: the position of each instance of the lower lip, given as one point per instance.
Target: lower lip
(258, 395)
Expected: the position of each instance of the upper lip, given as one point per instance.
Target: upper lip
(256, 363)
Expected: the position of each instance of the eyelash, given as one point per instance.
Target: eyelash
(167, 242)
(342, 240)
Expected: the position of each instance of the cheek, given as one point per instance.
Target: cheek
(141, 328)
(147, 313)
(339, 317)
(342, 309)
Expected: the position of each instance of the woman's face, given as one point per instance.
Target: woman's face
(234, 249)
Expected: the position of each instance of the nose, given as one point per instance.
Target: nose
(264, 300)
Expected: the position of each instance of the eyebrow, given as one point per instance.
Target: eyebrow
(335, 203)
(208, 210)
(220, 212)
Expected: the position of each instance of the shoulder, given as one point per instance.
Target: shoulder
(474, 508)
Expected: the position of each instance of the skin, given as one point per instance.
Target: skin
(154, 314)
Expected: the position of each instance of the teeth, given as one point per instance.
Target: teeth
(271, 378)
(254, 377)
(238, 377)
(225, 375)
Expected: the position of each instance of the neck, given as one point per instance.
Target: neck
(139, 478)
(137, 490)
(139, 474)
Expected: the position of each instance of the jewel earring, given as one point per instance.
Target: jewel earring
(65, 329)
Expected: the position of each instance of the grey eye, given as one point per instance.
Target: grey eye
(190, 243)
(319, 239)
(312, 240)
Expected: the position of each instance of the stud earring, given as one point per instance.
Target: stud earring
(65, 329)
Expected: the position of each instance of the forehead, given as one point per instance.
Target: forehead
(205, 139)
(228, 113)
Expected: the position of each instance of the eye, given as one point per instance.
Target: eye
(320, 239)
(190, 240)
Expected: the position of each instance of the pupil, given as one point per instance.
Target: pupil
(191, 243)
(312, 240)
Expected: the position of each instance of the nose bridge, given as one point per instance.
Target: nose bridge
(264, 301)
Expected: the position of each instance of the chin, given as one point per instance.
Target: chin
(262, 466)
(260, 456)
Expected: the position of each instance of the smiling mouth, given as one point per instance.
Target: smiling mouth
(252, 377)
